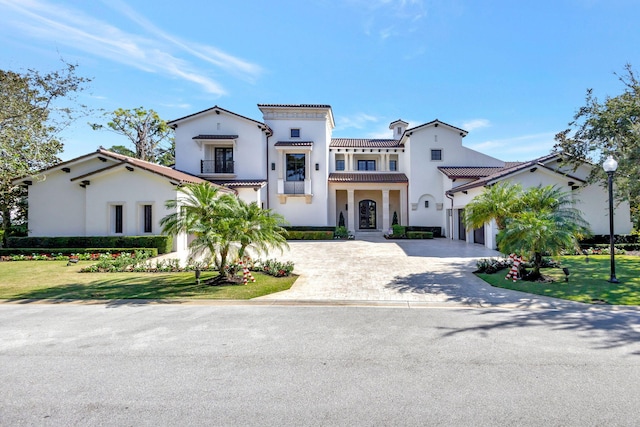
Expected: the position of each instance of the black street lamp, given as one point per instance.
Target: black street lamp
(610, 165)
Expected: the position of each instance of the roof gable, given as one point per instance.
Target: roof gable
(219, 110)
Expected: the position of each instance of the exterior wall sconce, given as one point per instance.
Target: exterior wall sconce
(317, 166)
(273, 166)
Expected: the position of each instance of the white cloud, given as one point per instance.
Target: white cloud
(147, 51)
(357, 121)
(523, 147)
(396, 16)
(470, 125)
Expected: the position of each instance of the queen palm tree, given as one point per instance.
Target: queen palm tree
(259, 229)
(547, 223)
(203, 212)
(222, 224)
(498, 202)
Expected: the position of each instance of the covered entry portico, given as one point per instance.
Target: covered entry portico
(367, 201)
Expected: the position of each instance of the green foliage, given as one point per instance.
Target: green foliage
(290, 228)
(79, 253)
(609, 127)
(547, 222)
(395, 218)
(163, 244)
(419, 235)
(222, 224)
(498, 202)
(341, 232)
(275, 268)
(125, 261)
(145, 130)
(310, 235)
(341, 222)
(398, 230)
(34, 109)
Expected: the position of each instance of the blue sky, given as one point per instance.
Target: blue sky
(512, 73)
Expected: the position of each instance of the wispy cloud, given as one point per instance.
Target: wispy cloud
(470, 125)
(355, 121)
(147, 50)
(523, 147)
(388, 18)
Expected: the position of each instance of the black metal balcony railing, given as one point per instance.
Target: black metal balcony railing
(213, 166)
(294, 187)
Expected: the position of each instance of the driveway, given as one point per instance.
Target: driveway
(372, 268)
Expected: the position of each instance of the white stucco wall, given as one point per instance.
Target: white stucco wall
(57, 205)
(249, 152)
(426, 182)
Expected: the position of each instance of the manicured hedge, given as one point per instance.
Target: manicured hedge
(162, 243)
(419, 235)
(436, 231)
(307, 228)
(68, 251)
(604, 239)
(310, 235)
(625, 246)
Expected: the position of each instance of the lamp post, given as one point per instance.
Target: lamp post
(610, 165)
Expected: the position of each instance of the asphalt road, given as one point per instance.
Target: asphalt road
(220, 365)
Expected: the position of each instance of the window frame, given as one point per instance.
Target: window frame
(366, 163)
(338, 163)
(439, 154)
(294, 132)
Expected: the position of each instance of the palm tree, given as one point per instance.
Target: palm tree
(259, 229)
(200, 210)
(222, 225)
(498, 202)
(547, 223)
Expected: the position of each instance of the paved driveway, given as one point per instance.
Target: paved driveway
(372, 268)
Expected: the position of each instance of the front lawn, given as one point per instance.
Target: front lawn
(587, 281)
(56, 280)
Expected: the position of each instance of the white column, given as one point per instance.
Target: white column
(351, 211)
(404, 218)
(385, 210)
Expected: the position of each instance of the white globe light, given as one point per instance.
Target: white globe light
(610, 165)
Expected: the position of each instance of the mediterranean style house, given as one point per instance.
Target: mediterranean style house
(290, 163)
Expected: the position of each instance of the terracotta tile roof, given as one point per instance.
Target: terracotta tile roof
(295, 105)
(215, 137)
(516, 167)
(241, 183)
(367, 177)
(364, 143)
(468, 171)
(293, 143)
(180, 177)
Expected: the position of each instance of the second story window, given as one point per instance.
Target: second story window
(436, 154)
(339, 165)
(224, 160)
(295, 132)
(366, 165)
(393, 165)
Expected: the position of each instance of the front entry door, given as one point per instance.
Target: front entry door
(367, 215)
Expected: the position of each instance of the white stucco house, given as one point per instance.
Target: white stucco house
(290, 163)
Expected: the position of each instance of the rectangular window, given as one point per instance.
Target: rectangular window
(295, 167)
(393, 165)
(224, 160)
(147, 212)
(295, 133)
(339, 165)
(366, 165)
(436, 154)
(117, 217)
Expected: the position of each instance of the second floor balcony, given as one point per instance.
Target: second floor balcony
(216, 166)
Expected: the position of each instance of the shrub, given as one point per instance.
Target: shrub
(125, 261)
(341, 232)
(492, 265)
(310, 235)
(66, 252)
(398, 230)
(419, 235)
(274, 268)
(162, 243)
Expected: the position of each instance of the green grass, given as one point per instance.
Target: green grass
(56, 280)
(587, 281)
